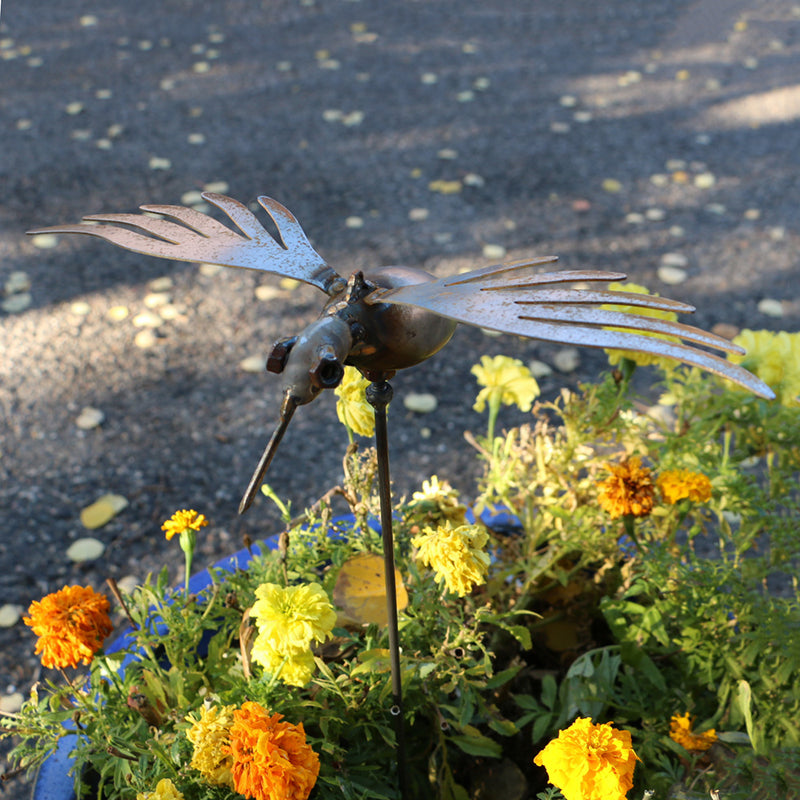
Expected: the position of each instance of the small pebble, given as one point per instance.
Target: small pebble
(117, 313)
(147, 319)
(655, 214)
(420, 402)
(156, 162)
(128, 583)
(705, 180)
(672, 276)
(87, 549)
(44, 241)
(18, 282)
(210, 269)
(80, 308)
(674, 260)
(771, 307)
(267, 292)
(16, 303)
(156, 299)
(418, 214)
(9, 615)
(567, 359)
(170, 311)
(145, 339)
(89, 418)
(611, 185)
(494, 251)
(447, 153)
(256, 363)
(354, 222)
(752, 214)
(11, 703)
(539, 369)
(191, 198)
(473, 179)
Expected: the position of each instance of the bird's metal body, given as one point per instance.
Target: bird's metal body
(392, 318)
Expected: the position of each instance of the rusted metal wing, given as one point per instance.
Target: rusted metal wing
(195, 236)
(510, 299)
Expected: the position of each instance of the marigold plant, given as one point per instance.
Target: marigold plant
(165, 790)
(182, 521)
(628, 491)
(456, 555)
(290, 619)
(775, 358)
(210, 737)
(505, 380)
(71, 625)
(352, 408)
(680, 731)
(589, 761)
(678, 484)
(271, 758)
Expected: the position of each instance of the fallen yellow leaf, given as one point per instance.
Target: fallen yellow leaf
(360, 590)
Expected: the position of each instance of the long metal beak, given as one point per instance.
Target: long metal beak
(287, 410)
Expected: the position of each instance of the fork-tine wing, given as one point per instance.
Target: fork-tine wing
(198, 237)
(539, 307)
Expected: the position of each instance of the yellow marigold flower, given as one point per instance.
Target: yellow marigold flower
(71, 625)
(641, 359)
(775, 358)
(271, 759)
(210, 735)
(456, 555)
(590, 762)
(440, 497)
(165, 790)
(676, 484)
(352, 407)
(680, 731)
(289, 620)
(296, 667)
(628, 490)
(182, 521)
(505, 380)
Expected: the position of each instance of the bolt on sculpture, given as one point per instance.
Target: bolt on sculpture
(391, 318)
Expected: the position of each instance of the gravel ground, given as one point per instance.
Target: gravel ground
(618, 135)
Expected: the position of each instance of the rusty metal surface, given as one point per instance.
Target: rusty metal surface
(201, 238)
(510, 298)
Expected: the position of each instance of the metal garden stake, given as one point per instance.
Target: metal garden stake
(390, 318)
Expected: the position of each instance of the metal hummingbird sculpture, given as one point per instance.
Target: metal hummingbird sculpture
(391, 318)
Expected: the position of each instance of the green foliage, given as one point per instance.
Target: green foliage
(691, 607)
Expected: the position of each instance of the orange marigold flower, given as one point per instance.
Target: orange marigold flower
(71, 625)
(182, 521)
(628, 490)
(676, 484)
(590, 762)
(271, 759)
(680, 731)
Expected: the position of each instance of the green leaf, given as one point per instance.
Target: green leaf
(503, 677)
(477, 745)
